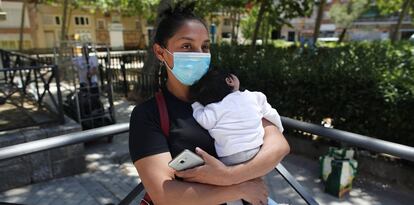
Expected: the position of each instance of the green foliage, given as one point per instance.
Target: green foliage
(144, 8)
(344, 14)
(387, 7)
(247, 24)
(277, 14)
(367, 88)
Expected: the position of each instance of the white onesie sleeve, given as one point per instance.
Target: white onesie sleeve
(268, 112)
(205, 116)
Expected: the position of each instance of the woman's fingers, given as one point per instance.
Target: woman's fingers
(189, 173)
(212, 172)
(206, 157)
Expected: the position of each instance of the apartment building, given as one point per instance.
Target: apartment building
(10, 26)
(370, 26)
(43, 23)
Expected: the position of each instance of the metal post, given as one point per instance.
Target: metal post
(125, 83)
(60, 103)
(109, 85)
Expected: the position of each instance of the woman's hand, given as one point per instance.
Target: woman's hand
(254, 191)
(212, 172)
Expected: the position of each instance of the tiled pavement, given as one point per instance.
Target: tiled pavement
(111, 176)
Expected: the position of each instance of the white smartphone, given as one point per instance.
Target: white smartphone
(186, 160)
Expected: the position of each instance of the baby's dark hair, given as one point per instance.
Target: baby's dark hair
(212, 87)
(172, 19)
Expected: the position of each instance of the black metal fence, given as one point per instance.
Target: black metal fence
(33, 82)
(126, 70)
(123, 67)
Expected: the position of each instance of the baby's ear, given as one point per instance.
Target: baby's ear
(229, 81)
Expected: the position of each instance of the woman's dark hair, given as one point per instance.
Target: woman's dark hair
(212, 87)
(172, 19)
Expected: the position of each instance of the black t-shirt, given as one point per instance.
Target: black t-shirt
(146, 137)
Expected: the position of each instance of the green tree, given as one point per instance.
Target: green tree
(267, 15)
(400, 7)
(234, 8)
(321, 6)
(345, 14)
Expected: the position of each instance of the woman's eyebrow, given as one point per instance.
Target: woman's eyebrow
(191, 39)
(186, 38)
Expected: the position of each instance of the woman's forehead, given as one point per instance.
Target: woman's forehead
(192, 31)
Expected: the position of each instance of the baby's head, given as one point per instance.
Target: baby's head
(214, 86)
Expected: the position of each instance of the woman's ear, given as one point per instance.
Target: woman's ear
(158, 51)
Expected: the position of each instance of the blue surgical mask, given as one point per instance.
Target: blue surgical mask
(189, 67)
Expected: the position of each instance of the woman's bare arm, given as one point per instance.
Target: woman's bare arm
(161, 185)
(273, 150)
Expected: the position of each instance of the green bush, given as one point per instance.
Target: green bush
(367, 88)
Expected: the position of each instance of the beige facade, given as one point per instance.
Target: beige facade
(44, 22)
(10, 27)
(223, 24)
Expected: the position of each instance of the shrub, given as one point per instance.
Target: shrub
(367, 88)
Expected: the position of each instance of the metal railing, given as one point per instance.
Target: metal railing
(397, 150)
(369, 143)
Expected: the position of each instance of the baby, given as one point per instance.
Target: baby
(232, 117)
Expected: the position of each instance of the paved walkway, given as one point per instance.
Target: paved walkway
(111, 176)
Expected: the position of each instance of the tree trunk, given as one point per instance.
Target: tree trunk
(151, 61)
(342, 36)
(263, 4)
(266, 33)
(233, 27)
(22, 25)
(318, 20)
(62, 45)
(69, 17)
(64, 26)
(404, 9)
(237, 27)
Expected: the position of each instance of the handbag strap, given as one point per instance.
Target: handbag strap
(162, 109)
(165, 127)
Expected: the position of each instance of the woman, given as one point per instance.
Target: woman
(212, 183)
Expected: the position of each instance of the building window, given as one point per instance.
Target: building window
(51, 20)
(81, 21)
(57, 20)
(291, 36)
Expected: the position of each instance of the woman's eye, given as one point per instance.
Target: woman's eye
(206, 47)
(186, 46)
